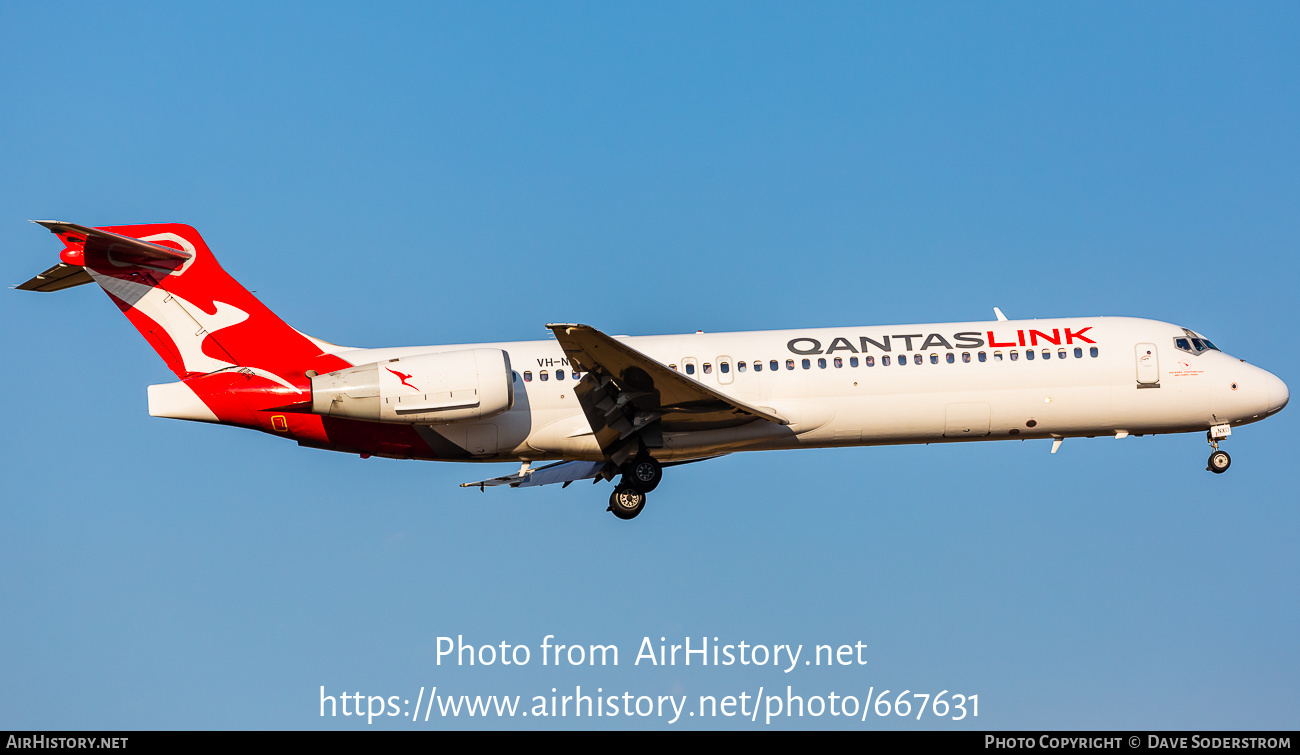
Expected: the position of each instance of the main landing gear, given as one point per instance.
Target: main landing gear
(626, 502)
(1219, 460)
(640, 476)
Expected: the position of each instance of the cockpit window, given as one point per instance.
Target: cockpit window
(1193, 344)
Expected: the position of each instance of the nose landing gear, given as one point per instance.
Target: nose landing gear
(640, 476)
(1219, 460)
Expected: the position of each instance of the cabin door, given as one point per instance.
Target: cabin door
(1148, 366)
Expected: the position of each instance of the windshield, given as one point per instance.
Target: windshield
(1193, 344)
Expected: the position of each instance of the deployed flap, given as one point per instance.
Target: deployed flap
(57, 278)
(630, 398)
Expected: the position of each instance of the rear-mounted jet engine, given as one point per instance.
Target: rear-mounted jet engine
(451, 386)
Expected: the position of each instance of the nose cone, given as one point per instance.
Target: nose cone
(1278, 395)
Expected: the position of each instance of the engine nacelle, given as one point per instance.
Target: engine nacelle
(450, 386)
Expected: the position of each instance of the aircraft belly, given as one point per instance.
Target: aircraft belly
(1003, 414)
(568, 437)
(477, 439)
(753, 436)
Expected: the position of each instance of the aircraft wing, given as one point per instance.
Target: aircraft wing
(626, 395)
(564, 472)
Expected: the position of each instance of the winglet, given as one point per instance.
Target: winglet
(998, 312)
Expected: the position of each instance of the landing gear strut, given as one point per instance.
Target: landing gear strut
(640, 476)
(1219, 460)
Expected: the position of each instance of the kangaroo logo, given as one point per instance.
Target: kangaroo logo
(403, 376)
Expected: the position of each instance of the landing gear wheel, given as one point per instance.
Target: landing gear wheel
(1219, 462)
(626, 502)
(643, 473)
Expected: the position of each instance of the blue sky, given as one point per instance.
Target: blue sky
(438, 173)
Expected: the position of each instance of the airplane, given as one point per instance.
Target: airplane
(601, 406)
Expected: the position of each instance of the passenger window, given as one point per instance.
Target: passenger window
(965, 357)
(839, 362)
(870, 361)
(807, 364)
(1060, 354)
(672, 367)
(853, 361)
(577, 375)
(544, 376)
(789, 364)
(1015, 355)
(708, 369)
(997, 356)
(740, 366)
(1078, 353)
(559, 374)
(884, 361)
(917, 359)
(758, 366)
(724, 367)
(1029, 354)
(934, 357)
(773, 365)
(983, 357)
(528, 376)
(1047, 353)
(949, 358)
(690, 369)
(1093, 351)
(821, 363)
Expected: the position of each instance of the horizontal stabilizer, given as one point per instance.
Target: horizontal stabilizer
(110, 242)
(57, 278)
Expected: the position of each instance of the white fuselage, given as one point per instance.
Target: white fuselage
(878, 385)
